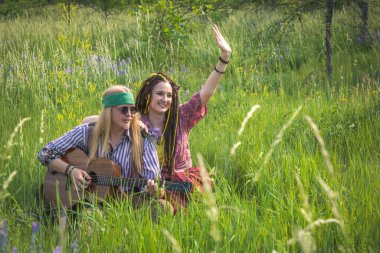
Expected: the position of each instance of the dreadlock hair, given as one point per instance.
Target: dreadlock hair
(171, 116)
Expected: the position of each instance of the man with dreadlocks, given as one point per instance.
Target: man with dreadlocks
(170, 123)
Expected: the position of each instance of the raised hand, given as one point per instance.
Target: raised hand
(222, 43)
(214, 78)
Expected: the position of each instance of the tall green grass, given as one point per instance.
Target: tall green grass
(53, 74)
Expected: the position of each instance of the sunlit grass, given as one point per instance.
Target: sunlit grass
(53, 74)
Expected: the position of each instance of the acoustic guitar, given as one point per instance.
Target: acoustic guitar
(105, 181)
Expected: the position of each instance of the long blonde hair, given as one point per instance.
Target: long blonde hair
(102, 132)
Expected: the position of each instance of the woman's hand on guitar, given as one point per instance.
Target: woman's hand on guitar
(80, 177)
(90, 119)
(143, 127)
(151, 187)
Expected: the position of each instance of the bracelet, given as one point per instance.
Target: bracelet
(220, 72)
(67, 168)
(70, 170)
(223, 60)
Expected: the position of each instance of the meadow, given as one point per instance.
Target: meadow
(295, 157)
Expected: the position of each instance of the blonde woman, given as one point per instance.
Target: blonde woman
(116, 136)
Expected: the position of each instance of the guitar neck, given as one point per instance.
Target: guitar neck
(139, 183)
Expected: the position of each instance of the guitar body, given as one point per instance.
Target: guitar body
(58, 190)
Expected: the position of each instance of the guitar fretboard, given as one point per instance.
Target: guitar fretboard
(138, 182)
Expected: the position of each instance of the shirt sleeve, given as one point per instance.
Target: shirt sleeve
(192, 111)
(75, 138)
(150, 164)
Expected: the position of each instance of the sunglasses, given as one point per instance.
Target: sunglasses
(125, 109)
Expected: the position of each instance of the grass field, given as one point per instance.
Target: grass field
(300, 173)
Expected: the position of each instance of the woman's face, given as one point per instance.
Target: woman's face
(122, 115)
(161, 98)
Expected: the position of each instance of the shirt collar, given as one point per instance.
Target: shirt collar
(127, 134)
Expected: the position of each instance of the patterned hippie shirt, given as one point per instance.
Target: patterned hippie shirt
(190, 113)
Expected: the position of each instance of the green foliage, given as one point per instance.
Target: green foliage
(13, 8)
(106, 8)
(9, 8)
(171, 21)
(68, 10)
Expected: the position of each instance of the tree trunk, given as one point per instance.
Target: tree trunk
(273, 5)
(363, 5)
(69, 11)
(328, 38)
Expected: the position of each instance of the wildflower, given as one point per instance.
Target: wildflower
(61, 38)
(94, 59)
(75, 245)
(3, 236)
(91, 88)
(35, 227)
(69, 70)
(57, 249)
(184, 69)
(60, 117)
(114, 68)
(156, 133)
(121, 73)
